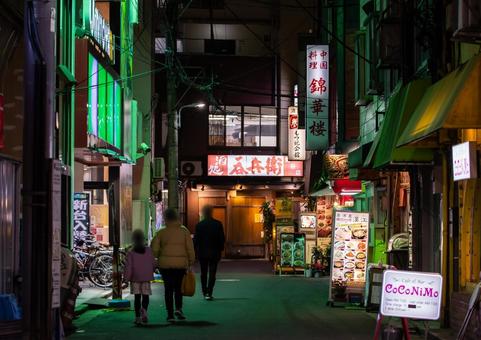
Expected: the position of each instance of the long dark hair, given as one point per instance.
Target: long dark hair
(138, 241)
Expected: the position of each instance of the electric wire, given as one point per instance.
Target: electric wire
(333, 36)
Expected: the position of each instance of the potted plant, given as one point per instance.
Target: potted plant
(308, 271)
(268, 218)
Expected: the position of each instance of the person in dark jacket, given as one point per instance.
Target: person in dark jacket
(209, 242)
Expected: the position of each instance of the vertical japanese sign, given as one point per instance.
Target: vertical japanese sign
(81, 215)
(317, 93)
(297, 137)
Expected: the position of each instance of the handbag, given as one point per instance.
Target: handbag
(188, 283)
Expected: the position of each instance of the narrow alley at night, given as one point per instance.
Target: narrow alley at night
(232, 169)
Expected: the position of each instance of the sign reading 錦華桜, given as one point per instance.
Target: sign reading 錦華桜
(413, 295)
(317, 96)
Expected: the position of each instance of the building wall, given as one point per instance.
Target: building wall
(143, 89)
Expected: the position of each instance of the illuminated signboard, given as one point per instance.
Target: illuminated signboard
(104, 105)
(411, 294)
(317, 102)
(244, 165)
(464, 161)
(297, 137)
(98, 28)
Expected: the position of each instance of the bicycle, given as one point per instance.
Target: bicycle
(95, 261)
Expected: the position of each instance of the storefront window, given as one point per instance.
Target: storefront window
(268, 131)
(248, 126)
(9, 226)
(251, 126)
(216, 126)
(233, 124)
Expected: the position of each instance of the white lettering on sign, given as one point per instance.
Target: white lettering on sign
(464, 161)
(413, 295)
(317, 101)
(296, 136)
(253, 165)
(100, 31)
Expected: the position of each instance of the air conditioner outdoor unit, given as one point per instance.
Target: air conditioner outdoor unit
(191, 168)
(159, 168)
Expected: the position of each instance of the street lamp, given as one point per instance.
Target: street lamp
(195, 105)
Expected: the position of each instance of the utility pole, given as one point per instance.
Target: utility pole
(41, 176)
(171, 12)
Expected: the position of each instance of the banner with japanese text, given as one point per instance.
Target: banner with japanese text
(317, 93)
(247, 165)
(81, 215)
(296, 136)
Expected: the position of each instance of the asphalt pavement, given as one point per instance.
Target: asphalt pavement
(250, 303)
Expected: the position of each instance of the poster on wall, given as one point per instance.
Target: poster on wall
(317, 102)
(413, 295)
(308, 225)
(337, 166)
(349, 250)
(293, 250)
(465, 161)
(81, 215)
(296, 136)
(324, 209)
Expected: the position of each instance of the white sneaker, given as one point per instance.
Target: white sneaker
(138, 321)
(144, 317)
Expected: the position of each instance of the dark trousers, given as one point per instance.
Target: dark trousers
(208, 270)
(173, 289)
(141, 301)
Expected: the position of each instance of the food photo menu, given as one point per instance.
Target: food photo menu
(350, 243)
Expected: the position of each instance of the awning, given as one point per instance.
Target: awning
(327, 191)
(454, 102)
(357, 156)
(401, 106)
(347, 187)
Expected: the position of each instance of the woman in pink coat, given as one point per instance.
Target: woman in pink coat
(139, 269)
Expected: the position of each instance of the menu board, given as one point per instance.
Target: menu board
(324, 215)
(293, 252)
(350, 243)
(413, 295)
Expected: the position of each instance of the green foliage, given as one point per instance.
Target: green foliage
(269, 219)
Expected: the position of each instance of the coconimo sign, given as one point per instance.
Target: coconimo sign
(412, 295)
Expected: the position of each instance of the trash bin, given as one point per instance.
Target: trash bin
(392, 333)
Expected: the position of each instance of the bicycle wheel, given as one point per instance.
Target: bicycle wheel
(100, 271)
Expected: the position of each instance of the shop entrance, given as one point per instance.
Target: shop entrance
(244, 232)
